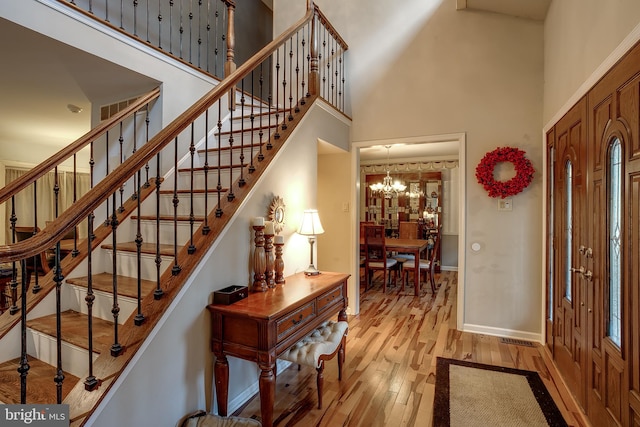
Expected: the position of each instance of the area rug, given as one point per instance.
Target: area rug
(471, 394)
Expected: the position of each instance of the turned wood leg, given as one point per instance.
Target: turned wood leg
(341, 358)
(267, 384)
(221, 371)
(320, 382)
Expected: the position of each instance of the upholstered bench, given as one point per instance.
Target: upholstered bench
(323, 344)
(203, 419)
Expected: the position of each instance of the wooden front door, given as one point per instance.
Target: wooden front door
(594, 247)
(570, 234)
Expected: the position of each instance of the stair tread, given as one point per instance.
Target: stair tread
(127, 286)
(75, 325)
(145, 248)
(255, 127)
(41, 388)
(212, 169)
(235, 147)
(212, 191)
(179, 218)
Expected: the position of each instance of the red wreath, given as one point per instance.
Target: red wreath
(524, 172)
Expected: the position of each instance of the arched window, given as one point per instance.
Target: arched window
(568, 229)
(614, 218)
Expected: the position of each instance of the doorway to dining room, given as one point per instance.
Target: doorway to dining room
(414, 156)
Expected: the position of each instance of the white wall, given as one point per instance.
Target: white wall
(424, 68)
(580, 36)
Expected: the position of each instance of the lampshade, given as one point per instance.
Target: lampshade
(310, 224)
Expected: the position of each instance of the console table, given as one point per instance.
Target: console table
(265, 324)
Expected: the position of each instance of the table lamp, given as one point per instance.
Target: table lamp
(311, 226)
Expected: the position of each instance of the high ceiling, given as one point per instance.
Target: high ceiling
(40, 77)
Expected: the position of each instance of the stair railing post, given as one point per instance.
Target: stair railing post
(314, 75)
(230, 64)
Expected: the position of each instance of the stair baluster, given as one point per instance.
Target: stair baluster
(58, 278)
(219, 185)
(277, 106)
(108, 215)
(157, 294)
(297, 110)
(206, 228)
(290, 116)
(13, 286)
(260, 131)
(139, 318)
(176, 201)
(91, 382)
(241, 181)
(23, 369)
(116, 347)
(121, 143)
(192, 153)
(230, 195)
(36, 286)
(284, 88)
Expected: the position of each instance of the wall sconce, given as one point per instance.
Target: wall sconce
(311, 226)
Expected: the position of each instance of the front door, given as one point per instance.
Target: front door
(569, 284)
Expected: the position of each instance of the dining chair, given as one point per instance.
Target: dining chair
(363, 224)
(426, 266)
(406, 230)
(376, 255)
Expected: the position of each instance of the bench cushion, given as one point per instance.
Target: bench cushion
(324, 340)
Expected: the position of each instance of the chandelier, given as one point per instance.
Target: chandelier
(387, 188)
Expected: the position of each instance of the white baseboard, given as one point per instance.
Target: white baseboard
(500, 332)
(448, 268)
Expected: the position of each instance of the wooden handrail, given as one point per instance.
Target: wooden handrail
(43, 168)
(94, 198)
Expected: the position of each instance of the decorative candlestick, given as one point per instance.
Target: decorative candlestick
(259, 258)
(278, 241)
(268, 251)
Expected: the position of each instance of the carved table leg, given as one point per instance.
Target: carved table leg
(267, 385)
(221, 371)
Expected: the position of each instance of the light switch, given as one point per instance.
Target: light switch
(505, 204)
(345, 207)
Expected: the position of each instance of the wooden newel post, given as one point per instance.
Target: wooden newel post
(230, 64)
(259, 257)
(314, 75)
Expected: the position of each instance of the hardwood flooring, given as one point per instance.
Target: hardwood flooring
(389, 372)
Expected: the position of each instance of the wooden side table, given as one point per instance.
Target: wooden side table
(265, 324)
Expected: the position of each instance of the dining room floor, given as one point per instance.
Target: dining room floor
(389, 371)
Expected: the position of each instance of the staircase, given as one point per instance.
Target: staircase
(81, 331)
(238, 161)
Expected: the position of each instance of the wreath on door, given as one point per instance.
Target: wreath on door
(524, 172)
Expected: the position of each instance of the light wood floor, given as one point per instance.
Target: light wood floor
(389, 373)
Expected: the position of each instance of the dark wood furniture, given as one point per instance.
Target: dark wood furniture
(40, 264)
(423, 265)
(6, 274)
(264, 325)
(411, 246)
(376, 255)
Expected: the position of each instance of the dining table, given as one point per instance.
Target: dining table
(407, 246)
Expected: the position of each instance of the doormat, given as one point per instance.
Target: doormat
(472, 394)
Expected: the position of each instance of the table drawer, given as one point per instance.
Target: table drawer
(329, 299)
(296, 319)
